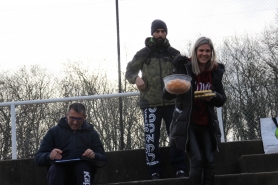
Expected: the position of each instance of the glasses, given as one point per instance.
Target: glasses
(75, 119)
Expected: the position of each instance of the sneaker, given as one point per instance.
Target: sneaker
(155, 176)
(180, 174)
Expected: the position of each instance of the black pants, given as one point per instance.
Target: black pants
(75, 173)
(200, 152)
(152, 123)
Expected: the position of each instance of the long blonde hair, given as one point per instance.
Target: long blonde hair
(194, 60)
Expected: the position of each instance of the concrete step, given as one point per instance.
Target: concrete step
(130, 165)
(258, 163)
(226, 160)
(263, 178)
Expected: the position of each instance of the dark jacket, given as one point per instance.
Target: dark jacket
(73, 144)
(155, 62)
(182, 113)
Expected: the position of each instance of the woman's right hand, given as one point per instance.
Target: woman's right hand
(180, 60)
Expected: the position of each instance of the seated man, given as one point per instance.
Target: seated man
(71, 150)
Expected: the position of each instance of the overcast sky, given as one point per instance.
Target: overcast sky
(52, 32)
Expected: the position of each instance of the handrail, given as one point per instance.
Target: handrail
(53, 100)
(13, 107)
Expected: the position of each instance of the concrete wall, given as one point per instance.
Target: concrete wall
(128, 165)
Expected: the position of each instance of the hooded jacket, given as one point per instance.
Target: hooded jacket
(183, 107)
(155, 62)
(73, 144)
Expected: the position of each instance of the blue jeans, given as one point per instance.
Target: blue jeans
(152, 123)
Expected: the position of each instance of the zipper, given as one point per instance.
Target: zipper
(178, 110)
(74, 144)
(189, 116)
(214, 133)
(191, 103)
(161, 83)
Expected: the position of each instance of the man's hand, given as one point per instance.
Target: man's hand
(89, 154)
(140, 84)
(55, 154)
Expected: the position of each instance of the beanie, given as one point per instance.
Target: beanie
(158, 24)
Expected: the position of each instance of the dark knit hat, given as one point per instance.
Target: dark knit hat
(158, 24)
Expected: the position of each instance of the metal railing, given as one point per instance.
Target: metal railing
(13, 105)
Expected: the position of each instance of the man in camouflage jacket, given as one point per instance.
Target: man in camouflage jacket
(155, 62)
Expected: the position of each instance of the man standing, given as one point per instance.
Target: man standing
(71, 150)
(155, 62)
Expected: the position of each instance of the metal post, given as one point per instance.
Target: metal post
(276, 90)
(13, 120)
(219, 116)
(120, 80)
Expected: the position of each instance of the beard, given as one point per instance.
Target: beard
(160, 40)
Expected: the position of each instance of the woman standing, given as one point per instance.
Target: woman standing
(195, 127)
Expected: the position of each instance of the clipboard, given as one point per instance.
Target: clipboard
(67, 160)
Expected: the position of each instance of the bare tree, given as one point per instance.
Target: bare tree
(26, 84)
(248, 81)
(104, 113)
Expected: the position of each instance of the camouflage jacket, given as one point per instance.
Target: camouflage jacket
(155, 62)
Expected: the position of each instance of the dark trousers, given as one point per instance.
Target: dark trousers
(200, 152)
(152, 123)
(75, 173)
